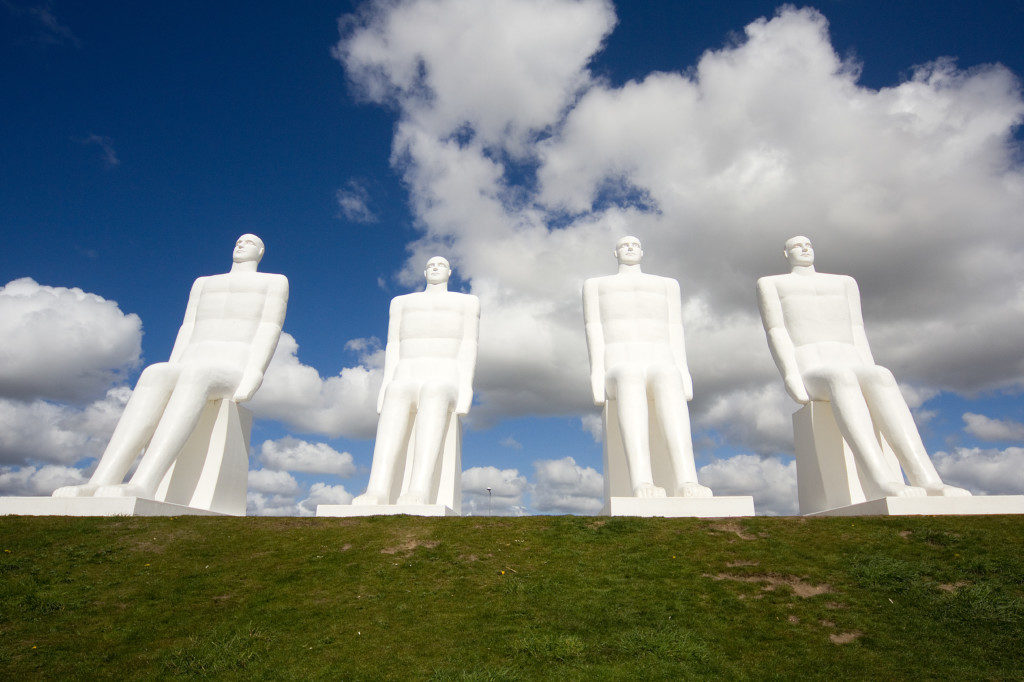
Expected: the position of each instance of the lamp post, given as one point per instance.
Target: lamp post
(488, 501)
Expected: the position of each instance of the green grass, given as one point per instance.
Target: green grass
(494, 599)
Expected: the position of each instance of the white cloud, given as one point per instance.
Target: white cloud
(323, 493)
(983, 471)
(986, 428)
(563, 487)
(713, 167)
(273, 482)
(594, 425)
(32, 481)
(106, 146)
(41, 431)
(507, 490)
(297, 395)
(264, 504)
(63, 344)
(770, 480)
(510, 442)
(353, 203)
(292, 454)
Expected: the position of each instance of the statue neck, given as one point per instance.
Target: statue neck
(246, 266)
(624, 268)
(439, 288)
(803, 270)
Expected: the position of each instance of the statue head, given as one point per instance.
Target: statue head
(437, 271)
(799, 251)
(249, 247)
(628, 251)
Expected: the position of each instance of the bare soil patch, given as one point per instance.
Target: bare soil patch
(844, 637)
(772, 580)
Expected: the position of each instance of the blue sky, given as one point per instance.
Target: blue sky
(139, 140)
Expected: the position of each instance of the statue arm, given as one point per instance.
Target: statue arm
(860, 337)
(264, 342)
(189, 323)
(467, 355)
(779, 341)
(390, 349)
(675, 335)
(595, 339)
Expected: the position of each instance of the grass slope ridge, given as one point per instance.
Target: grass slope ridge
(525, 598)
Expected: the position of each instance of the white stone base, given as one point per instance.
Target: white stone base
(704, 507)
(96, 506)
(384, 510)
(916, 506)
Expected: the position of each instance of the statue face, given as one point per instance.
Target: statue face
(438, 271)
(628, 251)
(249, 247)
(799, 251)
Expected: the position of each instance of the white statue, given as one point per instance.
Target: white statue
(429, 362)
(816, 334)
(635, 337)
(231, 328)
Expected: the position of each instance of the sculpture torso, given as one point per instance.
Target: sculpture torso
(820, 312)
(634, 309)
(227, 315)
(430, 333)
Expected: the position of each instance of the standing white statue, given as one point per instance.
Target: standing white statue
(429, 362)
(231, 328)
(638, 362)
(816, 334)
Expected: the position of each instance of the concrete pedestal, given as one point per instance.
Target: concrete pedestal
(705, 507)
(931, 506)
(384, 510)
(95, 506)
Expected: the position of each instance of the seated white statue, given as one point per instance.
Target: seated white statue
(231, 328)
(429, 362)
(635, 338)
(816, 334)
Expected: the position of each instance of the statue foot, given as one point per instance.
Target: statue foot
(901, 490)
(83, 490)
(369, 498)
(648, 490)
(123, 490)
(943, 490)
(412, 498)
(693, 489)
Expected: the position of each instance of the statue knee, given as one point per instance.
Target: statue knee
(883, 377)
(157, 374)
(437, 392)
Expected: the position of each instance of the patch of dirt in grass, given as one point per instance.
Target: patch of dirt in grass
(733, 526)
(346, 547)
(735, 564)
(826, 624)
(953, 587)
(905, 534)
(793, 619)
(834, 605)
(408, 544)
(773, 580)
(597, 523)
(844, 637)
(469, 557)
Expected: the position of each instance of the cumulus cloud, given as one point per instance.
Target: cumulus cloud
(771, 481)
(42, 431)
(713, 166)
(563, 487)
(269, 504)
(32, 481)
(296, 394)
(983, 471)
(507, 489)
(63, 344)
(46, 28)
(353, 202)
(109, 154)
(986, 428)
(323, 493)
(273, 482)
(292, 454)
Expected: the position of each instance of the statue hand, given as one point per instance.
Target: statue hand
(247, 388)
(463, 403)
(796, 390)
(687, 386)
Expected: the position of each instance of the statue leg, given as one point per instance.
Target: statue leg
(896, 423)
(842, 389)
(629, 387)
(674, 416)
(195, 387)
(392, 429)
(133, 431)
(435, 404)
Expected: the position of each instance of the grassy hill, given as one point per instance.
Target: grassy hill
(495, 598)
